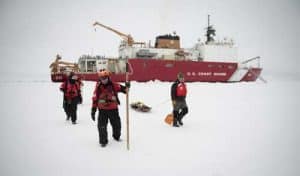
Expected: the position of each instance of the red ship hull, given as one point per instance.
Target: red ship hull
(252, 74)
(143, 70)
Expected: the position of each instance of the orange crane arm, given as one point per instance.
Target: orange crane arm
(128, 38)
(57, 65)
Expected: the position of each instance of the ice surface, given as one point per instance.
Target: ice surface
(231, 129)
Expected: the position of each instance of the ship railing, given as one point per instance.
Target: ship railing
(251, 60)
(249, 67)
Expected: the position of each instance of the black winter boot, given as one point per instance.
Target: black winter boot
(175, 125)
(180, 122)
(103, 145)
(183, 112)
(117, 138)
(175, 120)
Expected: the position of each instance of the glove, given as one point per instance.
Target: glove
(63, 90)
(173, 102)
(80, 99)
(127, 84)
(93, 113)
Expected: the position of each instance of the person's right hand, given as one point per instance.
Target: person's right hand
(93, 113)
(173, 102)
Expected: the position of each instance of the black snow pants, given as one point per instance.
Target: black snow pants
(178, 115)
(115, 121)
(180, 109)
(70, 107)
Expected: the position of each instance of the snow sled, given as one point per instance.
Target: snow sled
(169, 119)
(139, 106)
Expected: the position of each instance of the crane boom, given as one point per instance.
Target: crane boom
(128, 38)
(58, 65)
(111, 29)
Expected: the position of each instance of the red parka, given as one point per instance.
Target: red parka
(70, 90)
(106, 96)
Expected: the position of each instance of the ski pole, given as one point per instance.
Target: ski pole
(127, 106)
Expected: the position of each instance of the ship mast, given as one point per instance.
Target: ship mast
(210, 33)
(208, 20)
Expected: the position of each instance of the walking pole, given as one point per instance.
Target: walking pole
(127, 106)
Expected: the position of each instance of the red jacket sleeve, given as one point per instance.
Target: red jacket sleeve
(63, 87)
(95, 96)
(119, 88)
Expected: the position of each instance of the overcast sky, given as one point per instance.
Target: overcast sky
(32, 32)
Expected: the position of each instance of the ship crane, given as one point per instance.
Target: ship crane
(128, 38)
(59, 65)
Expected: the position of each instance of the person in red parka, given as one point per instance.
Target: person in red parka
(72, 96)
(106, 99)
(178, 95)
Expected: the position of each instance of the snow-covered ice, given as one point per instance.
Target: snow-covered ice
(232, 129)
